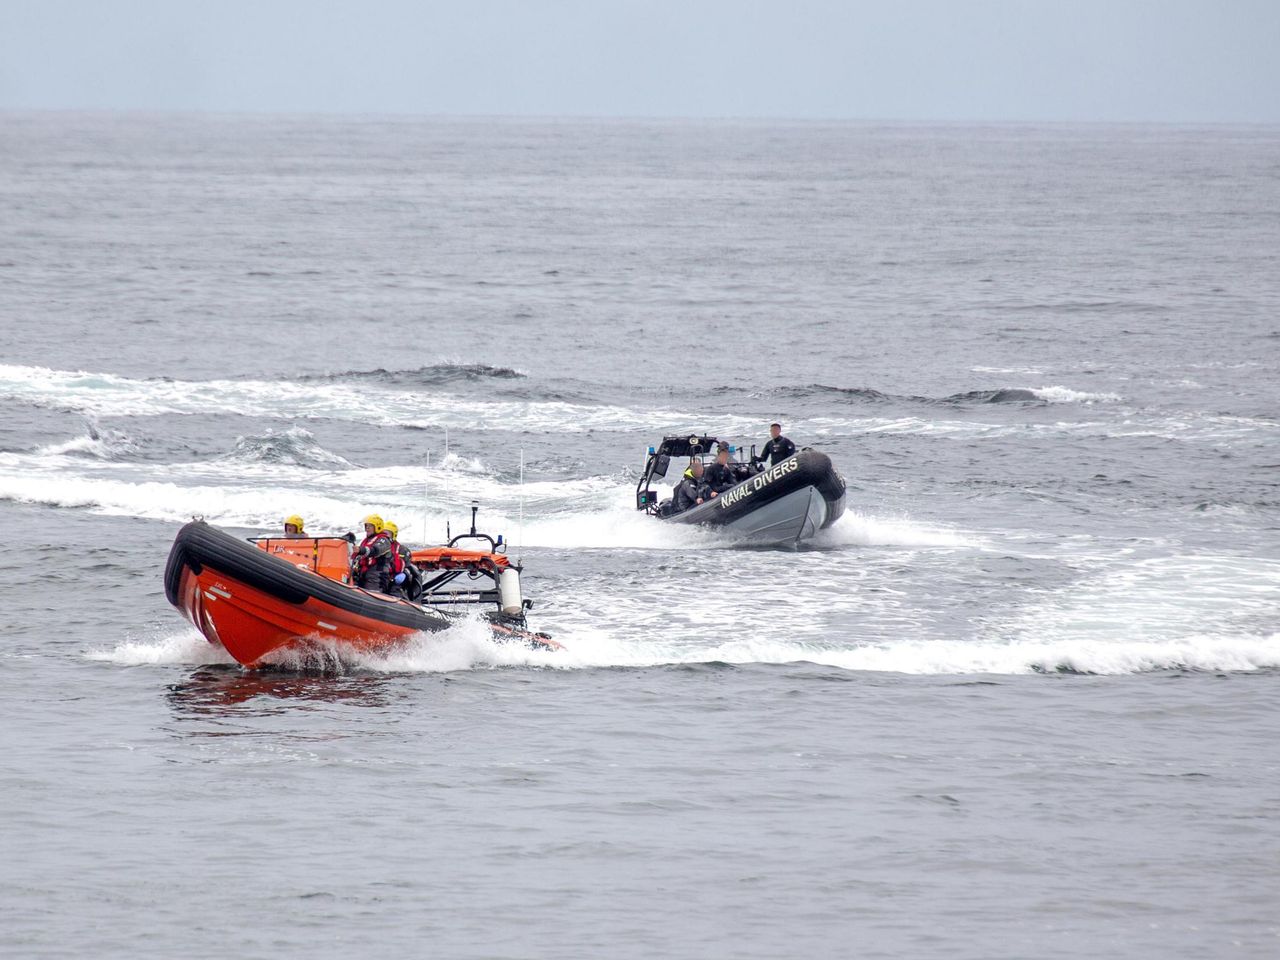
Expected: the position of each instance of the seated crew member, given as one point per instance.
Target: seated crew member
(411, 586)
(739, 471)
(399, 560)
(691, 489)
(371, 562)
(778, 448)
(720, 475)
(293, 528)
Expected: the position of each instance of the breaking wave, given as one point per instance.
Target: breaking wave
(1001, 395)
(1015, 395)
(436, 374)
(295, 446)
(97, 444)
(103, 394)
(850, 394)
(1067, 395)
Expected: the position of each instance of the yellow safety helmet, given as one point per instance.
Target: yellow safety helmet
(374, 519)
(296, 521)
(392, 529)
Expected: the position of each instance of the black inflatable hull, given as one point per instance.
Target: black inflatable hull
(788, 503)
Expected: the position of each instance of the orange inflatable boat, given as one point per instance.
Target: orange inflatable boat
(255, 598)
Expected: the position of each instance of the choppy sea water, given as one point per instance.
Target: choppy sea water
(1018, 702)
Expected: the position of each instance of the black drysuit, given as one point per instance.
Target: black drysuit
(777, 450)
(719, 477)
(687, 494)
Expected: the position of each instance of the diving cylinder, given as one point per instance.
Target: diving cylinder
(509, 600)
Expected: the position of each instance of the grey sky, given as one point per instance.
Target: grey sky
(1172, 60)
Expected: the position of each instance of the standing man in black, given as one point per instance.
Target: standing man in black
(778, 448)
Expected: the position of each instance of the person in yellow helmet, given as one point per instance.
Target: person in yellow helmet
(373, 560)
(294, 527)
(402, 570)
(692, 488)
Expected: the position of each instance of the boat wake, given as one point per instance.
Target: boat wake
(470, 646)
(864, 530)
(1194, 613)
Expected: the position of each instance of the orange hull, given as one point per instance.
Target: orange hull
(251, 624)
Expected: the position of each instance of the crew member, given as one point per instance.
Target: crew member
(293, 527)
(778, 448)
(400, 559)
(372, 560)
(691, 490)
(393, 531)
(720, 475)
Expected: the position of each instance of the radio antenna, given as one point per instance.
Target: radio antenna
(520, 528)
(426, 497)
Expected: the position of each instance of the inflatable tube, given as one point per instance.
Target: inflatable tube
(787, 502)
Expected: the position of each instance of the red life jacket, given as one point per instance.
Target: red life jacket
(397, 559)
(365, 563)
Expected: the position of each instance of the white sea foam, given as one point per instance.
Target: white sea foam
(1196, 613)
(614, 524)
(465, 646)
(186, 646)
(860, 529)
(97, 443)
(1160, 600)
(1190, 428)
(295, 446)
(1066, 395)
(156, 500)
(469, 645)
(1171, 614)
(93, 446)
(585, 513)
(1204, 652)
(963, 429)
(103, 394)
(591, 512)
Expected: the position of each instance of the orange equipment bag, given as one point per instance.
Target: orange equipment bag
(328, 556)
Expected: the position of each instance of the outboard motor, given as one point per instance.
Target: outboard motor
(509, 600)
